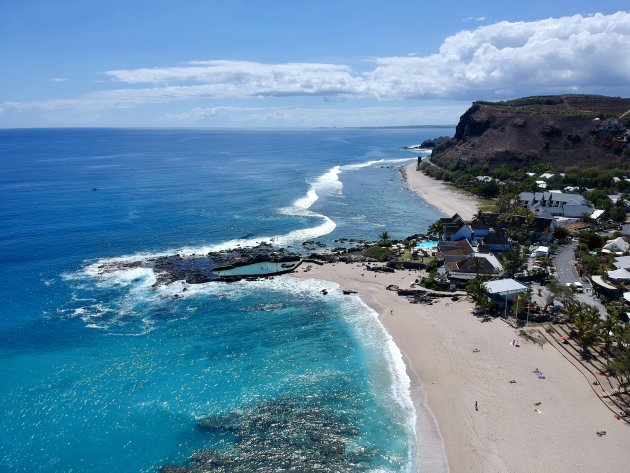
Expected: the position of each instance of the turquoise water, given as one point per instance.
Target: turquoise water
(104, 372)
(257, 269)
(427, 244)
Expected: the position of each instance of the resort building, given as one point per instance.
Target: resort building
(552, 204)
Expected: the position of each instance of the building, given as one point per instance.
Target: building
(473, 265)
(551, 204)
(504, 291)
(616, 245)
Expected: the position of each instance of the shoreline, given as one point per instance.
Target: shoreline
(507, 432)
(446, 198)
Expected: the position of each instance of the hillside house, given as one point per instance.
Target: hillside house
(617, 245)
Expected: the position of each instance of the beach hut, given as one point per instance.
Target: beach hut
(504, 291)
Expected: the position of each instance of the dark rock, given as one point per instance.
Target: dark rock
(551, 131)
(574, 139)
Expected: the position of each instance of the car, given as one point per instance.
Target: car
(575, 286)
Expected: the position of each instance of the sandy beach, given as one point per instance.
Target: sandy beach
(455, 361)
(444, 197)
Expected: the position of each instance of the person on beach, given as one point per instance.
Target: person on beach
(476, 408)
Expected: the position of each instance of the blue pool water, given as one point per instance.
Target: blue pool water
(427, 244)
(104, 372)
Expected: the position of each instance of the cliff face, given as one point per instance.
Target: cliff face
(561, 131)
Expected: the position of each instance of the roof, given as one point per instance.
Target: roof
(505, 287)
(493, 260)
(575, 227)
(619, 274)
(618, 242)
(553, 196)
(479, 225)
(497, 238)
(542, 249)
(461, 247)
(597, 213)
(626, 296)
(600, 282)
(453, 219)
(622, 262)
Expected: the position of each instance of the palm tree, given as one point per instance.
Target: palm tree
(476, 289)
(586, 322)
(436, 229)
(384, 239)
(608, 328)
(479, 216)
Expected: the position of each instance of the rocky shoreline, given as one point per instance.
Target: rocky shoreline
(199, 269)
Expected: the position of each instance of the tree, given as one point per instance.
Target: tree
(591, 240)
(513, 260)
(622, 368)
(560, 233)
(608, 328)
(479, 216)
(436, 229)
(621, 365)
(559, 292)
(586, 323)
(384, 239)
(476, 289)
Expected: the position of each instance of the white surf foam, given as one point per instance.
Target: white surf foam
(328, 183)
(369, 330)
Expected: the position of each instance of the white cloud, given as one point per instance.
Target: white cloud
(58, 79)
(577, 53)
(478, 19)
(566, 53)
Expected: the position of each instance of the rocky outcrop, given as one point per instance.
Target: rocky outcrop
(560, 131)
(197, 269)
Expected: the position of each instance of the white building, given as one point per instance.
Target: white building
(552, 204)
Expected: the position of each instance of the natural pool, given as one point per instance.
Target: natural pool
(258, 269)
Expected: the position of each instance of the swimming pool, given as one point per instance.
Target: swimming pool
(427, 245)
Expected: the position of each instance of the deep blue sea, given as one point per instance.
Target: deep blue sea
(102, 372)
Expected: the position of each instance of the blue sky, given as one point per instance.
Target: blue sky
(247, 63)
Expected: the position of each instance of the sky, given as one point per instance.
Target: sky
(298, 63)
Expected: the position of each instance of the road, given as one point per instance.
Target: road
(564, 262)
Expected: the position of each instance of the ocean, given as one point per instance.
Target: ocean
(103, 372)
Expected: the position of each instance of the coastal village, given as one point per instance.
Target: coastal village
(531, 263)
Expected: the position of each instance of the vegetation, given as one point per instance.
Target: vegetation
(384, 239)
(514, 260)
(436, 229)
(378, 252)
(586, 320)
